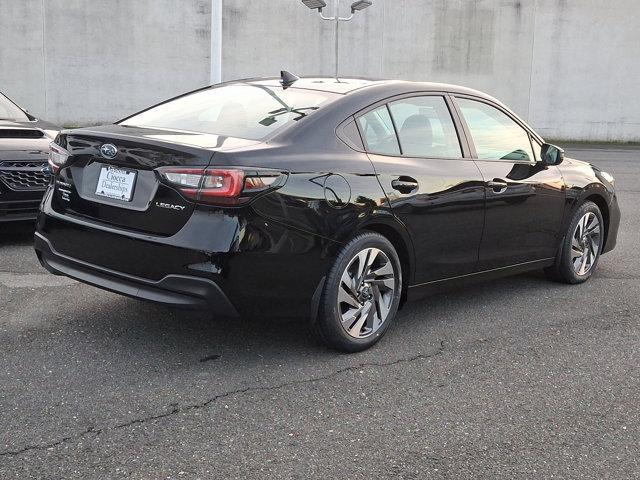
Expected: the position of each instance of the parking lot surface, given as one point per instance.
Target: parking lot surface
(513, 378)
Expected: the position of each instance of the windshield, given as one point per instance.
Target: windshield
(9, 111)
(245, 111)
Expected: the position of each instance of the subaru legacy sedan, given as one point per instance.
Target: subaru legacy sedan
(332, 200)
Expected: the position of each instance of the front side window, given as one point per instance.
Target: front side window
(425, 127)
(378, 132)
(8, 111)
(244, 111)
(496, 135)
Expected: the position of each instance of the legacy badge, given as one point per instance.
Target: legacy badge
(170, 206)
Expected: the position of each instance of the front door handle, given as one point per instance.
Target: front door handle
(497, 185)
(405, 184)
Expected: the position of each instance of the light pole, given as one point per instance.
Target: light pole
(355, 7)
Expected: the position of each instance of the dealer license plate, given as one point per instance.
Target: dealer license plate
(115, 182)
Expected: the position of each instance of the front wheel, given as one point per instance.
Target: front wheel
(361, 294)
(581, 246)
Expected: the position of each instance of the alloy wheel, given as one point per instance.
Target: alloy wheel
(585, 243)
(366, 292)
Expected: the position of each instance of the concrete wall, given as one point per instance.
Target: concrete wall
(586, 70)
(90, 61)
(570, 67)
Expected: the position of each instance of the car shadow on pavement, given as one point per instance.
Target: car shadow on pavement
(151, 333)
(200, 336)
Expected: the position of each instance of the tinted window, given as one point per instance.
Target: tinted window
(495, 135)
(379, 134)
(425, 127)
(351, 133)
(244, 111)
(8, 111)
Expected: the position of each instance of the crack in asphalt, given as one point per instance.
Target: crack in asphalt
(46, 446)
(175, 408)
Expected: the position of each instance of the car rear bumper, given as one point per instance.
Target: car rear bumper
(227, 264)
(181, 291)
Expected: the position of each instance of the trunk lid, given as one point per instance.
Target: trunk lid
(108, 161)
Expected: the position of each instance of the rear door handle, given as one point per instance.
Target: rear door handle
(497, 185)
(405, 184)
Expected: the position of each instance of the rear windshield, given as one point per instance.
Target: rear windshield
(245, 111)
(8, 111)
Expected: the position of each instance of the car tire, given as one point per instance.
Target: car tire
(581, 246)
(361, 294)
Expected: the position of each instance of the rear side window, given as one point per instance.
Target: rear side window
(241, 110)
(378, 132)
(495, 135)
(425, 127)
(352, 135)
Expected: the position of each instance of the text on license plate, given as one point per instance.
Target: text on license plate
(116, 183)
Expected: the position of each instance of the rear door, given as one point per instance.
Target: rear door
(524, 198)
(433, 186)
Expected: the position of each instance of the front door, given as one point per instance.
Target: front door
(524, 198)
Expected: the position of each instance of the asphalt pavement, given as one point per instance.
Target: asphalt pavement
(514, 378)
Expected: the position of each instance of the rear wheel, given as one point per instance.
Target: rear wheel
(361, 294)
(581, 246)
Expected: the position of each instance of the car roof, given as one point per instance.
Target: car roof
(325, 84)
(349, 85)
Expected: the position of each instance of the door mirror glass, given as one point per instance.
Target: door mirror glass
(551, 154)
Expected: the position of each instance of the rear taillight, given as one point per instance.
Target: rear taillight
(222, 186)
(57, 157)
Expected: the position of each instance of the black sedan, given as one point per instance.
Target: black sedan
(24, 174)
(334, 200)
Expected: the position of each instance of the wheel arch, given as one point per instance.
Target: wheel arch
(602, 204)
(401, 241)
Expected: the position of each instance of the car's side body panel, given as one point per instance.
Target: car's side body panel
(444, 215)
(522, 223)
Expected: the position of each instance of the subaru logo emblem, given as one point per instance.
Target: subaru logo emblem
(108, 150)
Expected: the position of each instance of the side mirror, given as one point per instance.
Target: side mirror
(551, 154)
